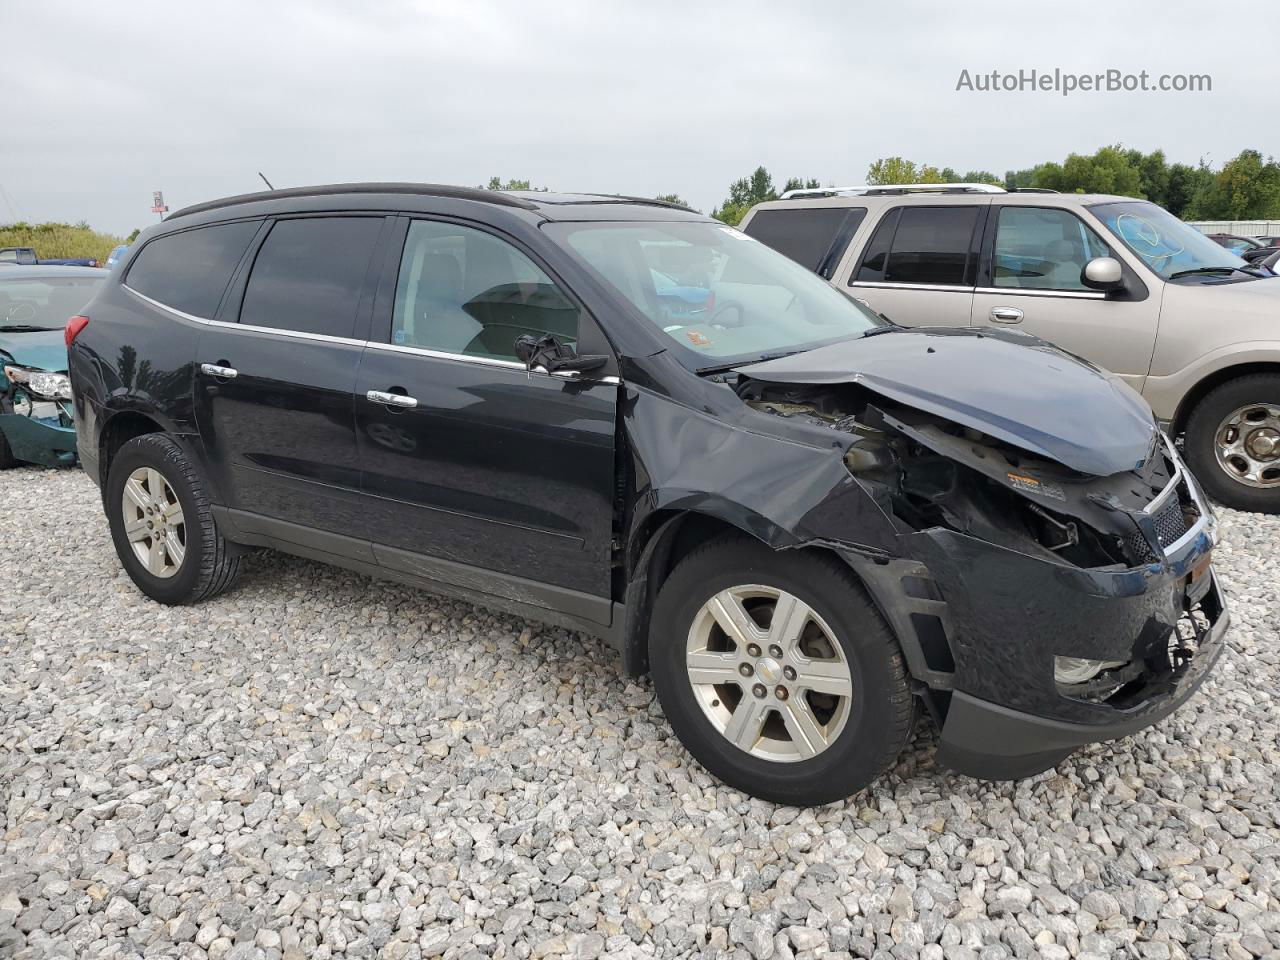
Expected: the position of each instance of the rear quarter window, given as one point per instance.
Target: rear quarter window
(189, 271)
(812, 238)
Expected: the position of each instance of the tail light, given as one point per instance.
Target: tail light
(74, 326)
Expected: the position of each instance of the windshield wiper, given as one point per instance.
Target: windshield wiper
(1201, 271)
(27, 328)
(721, 368)
(876, 331)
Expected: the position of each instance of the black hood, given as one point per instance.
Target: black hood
(1011, 386)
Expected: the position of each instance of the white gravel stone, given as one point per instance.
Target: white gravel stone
(317, 765)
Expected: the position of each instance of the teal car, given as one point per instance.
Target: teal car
(35, 394)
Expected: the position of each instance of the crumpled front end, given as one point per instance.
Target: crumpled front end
(1040, 608)
(37, 428)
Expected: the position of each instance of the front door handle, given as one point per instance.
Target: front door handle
(221, 372)
(1006, 314)
(392, 399)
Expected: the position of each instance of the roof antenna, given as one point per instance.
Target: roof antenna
(266, 181)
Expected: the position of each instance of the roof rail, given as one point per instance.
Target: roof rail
(883, 189)
(1035, 190)
(330, 189)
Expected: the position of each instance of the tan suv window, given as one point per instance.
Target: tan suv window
(1043, 249)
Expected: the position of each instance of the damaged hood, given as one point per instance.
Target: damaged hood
(1011, 386)
(38, 349)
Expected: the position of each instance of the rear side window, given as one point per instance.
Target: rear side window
(812, 238)
(925, 245)
(309, 274)
(189, 271)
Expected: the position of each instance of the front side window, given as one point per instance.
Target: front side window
(922, 245)
(464, 291)
(811, 237)
(43, 304)
(309, 274)
(1170, 248)
(719, 296)
(189, 271)
(1040, 248)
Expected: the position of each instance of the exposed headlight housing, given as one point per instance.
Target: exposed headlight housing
(50, 386)
(1072, 670)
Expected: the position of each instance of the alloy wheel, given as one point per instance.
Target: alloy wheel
(153, 522)
(769, 673)
(1247, 444)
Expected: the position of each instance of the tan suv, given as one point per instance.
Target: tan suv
(1120, 282)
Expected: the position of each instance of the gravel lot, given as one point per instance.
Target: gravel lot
(317, 765)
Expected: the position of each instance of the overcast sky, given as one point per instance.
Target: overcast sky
(104, 102)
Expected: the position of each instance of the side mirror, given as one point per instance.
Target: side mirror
(1102, 273)
(553, 355)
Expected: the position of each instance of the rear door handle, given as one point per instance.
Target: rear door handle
(392, 399)
(1006, 314)
(222, 373)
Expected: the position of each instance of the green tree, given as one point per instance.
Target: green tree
(1185, 184)
(799, 183)
(497, 183)
(1246, 188)
(133, 236)
(1107, 171)
(893, 170)
(672, 198)
(744, 194)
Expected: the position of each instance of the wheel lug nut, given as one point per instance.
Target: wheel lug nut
(780, 692)
(753, 650)
(759, 690)
(746, 670)
(775, 651)
(789, 672)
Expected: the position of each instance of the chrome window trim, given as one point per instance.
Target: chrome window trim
(894, 285)
(351, 341)
(1034, 292)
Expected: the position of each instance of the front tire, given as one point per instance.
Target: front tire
(777, 672)
(162, 524)
(1232, 443)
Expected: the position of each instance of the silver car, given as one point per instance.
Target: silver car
(1121, 282)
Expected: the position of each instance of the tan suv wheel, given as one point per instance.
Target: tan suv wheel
(1233, 443)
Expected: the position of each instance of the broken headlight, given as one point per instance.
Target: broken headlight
(1072, 670)
(48, 386)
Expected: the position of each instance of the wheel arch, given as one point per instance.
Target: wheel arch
(1210, 381)
(657, 545)
(119, 428)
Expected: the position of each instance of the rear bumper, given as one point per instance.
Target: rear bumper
(39, 440)
(994, 742)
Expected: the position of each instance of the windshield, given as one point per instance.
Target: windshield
(1166, 244)
(44, 303)
(721, 297)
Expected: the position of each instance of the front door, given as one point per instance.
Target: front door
(274, 390)
(1031, 280)
(477, 471)
(918, 267)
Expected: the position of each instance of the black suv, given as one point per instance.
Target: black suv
(622, 417)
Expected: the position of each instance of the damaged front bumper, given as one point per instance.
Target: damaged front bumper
(45, 440)
(981, 626)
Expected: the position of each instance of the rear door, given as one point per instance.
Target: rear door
(274, 378)
(919, 266)
(1029, 279)
(476, 471)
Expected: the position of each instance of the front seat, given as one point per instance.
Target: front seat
(1066, 260)
(440, 322)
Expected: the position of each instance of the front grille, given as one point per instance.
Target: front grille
(1170, 522)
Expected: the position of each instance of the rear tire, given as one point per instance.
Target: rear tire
(1207, 429)
(163, 528)
(856, 738)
